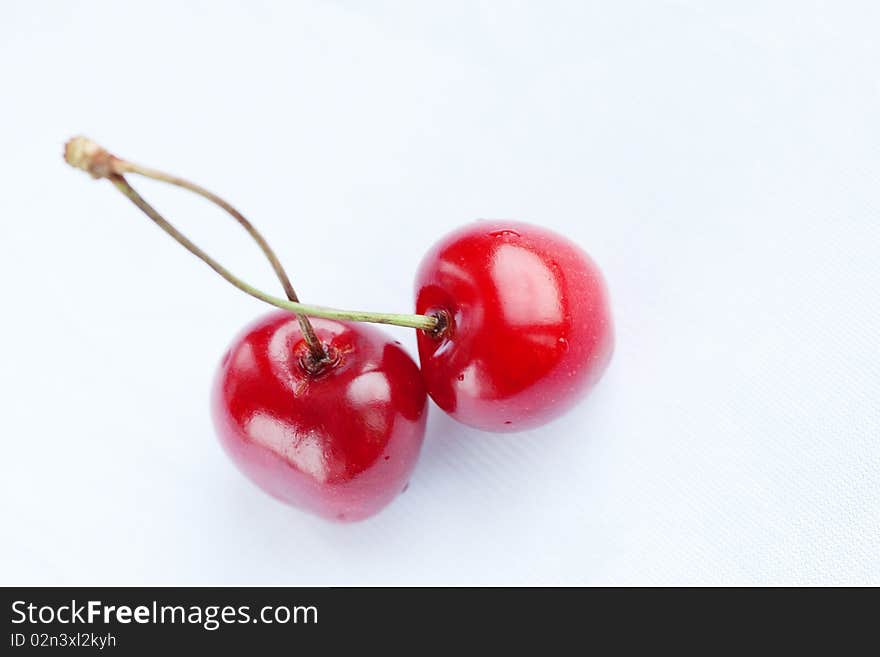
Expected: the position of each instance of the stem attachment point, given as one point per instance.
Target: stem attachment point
(315, 365)
(83, 153)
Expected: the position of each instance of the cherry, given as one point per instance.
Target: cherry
(525, 324)
(325, 414)
(340, 439)
(329, 415)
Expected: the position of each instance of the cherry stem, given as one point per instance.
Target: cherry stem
(317, 350)
(90, 157)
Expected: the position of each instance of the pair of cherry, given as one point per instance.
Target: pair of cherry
(328, 414)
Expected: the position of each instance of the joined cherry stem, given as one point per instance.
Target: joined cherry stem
(88, 156)
(314, 344)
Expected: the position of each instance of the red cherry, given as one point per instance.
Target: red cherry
(342, 442)
(528, 330)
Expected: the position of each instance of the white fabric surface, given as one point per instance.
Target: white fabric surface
(721, 161)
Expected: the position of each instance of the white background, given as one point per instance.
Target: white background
(721, 161)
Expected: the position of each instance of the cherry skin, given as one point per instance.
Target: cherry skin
(527, 324)
(341, 442)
